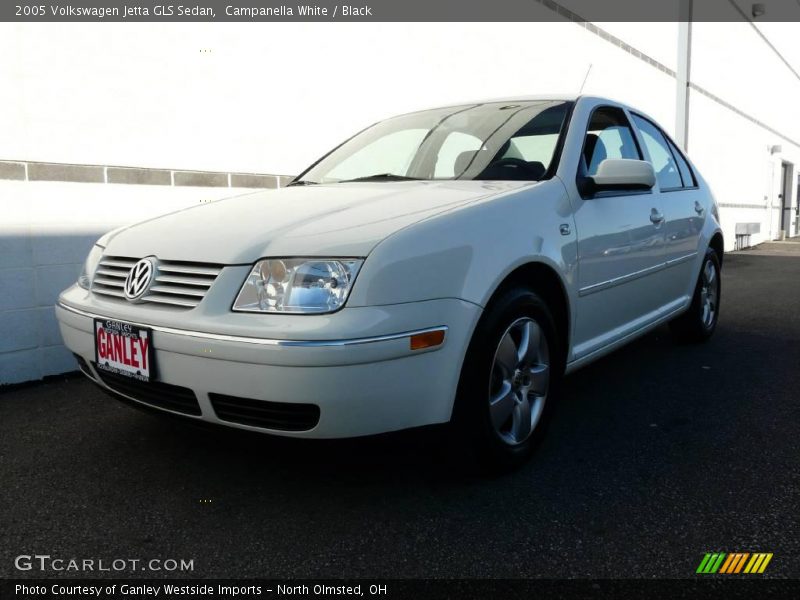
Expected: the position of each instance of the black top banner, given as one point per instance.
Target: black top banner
(400, 10)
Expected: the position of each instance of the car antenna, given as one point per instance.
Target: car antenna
(580, 91)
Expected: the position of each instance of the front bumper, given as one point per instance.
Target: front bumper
(364, 383)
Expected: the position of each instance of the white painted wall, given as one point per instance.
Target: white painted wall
(740, 167)
(47, 228)
(734, 63)
(272, 97)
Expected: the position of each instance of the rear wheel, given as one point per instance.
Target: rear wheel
(509, 381)
(699, 322)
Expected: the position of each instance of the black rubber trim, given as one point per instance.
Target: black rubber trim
(154, 393)
(281, 416)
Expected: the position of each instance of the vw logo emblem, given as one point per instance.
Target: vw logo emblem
(139, 278)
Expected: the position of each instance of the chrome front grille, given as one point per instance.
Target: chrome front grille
(177, 283)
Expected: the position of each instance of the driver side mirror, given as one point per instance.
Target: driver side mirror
(623, 174)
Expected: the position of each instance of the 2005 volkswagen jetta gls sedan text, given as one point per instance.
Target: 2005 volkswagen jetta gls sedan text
(448, 265)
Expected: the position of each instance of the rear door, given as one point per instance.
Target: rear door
(684, 208)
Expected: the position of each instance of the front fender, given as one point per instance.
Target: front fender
(468, 252)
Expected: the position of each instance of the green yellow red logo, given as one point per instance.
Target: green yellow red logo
(734, 562)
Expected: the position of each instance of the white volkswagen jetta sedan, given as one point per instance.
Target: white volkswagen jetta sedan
(449, 265)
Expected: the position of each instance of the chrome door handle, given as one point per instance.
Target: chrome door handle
(656, 217)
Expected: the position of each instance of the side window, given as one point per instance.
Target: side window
(660, 155)
(609, 135)
(683, 166)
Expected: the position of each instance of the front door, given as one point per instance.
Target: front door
(621, 243)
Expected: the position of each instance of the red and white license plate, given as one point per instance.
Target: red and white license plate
(123, 349)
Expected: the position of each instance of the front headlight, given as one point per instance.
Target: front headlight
(89, 266)
(298, 285)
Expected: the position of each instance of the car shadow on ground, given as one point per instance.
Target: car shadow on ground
(620, 410)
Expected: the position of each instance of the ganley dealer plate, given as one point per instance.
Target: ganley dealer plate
(123, 349)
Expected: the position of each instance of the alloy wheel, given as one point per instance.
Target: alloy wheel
(519, 381)
(709, 293)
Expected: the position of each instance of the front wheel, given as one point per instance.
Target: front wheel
(699, 322)
(509, 381)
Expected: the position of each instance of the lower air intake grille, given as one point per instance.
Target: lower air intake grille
(282, 416)
(154, 393)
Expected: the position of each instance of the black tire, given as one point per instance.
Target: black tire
(694, 326)
(477, 436)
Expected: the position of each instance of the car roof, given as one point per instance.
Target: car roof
(535, 98)
(542, 98)
(506, 99)
(554, 97)
(571, 98)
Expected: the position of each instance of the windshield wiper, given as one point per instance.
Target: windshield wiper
(302, 182)
(381, 177)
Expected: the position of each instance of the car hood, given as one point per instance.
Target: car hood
(344, 219)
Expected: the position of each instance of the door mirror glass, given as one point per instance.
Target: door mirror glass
(625, 174)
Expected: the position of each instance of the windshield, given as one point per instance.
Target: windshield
(494, 141)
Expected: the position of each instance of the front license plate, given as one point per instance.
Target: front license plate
(124, 349)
